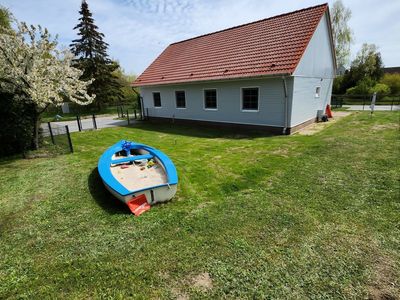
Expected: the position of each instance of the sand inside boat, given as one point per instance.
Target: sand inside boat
(134, 177)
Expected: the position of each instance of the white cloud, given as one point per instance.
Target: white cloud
(139, 30)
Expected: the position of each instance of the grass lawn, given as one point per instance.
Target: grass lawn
(254, 217)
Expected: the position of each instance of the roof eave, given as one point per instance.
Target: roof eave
(331, 40)
(134, 84)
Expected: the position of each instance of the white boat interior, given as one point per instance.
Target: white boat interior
(138, 175)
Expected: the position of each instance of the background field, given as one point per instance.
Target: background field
(254, 217)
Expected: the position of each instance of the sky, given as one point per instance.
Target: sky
(137, 31)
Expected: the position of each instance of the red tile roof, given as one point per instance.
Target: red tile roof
(269, 46)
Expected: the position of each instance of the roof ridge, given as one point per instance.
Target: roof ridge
(253, 22)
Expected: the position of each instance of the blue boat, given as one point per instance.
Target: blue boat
(129, 170)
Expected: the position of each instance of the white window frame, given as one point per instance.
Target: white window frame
(258, 100)
(317, 95)
(204, 99)
(152, 93)
(176, 107)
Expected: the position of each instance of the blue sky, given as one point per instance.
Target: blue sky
(138, 30)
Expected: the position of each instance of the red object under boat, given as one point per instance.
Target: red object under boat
(138, 205)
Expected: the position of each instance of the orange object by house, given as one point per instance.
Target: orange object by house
(328, 111)
(138, 205)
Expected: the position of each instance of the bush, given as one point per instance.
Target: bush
(337, 84)
(16, 125)
(392, 81)
(380, 88)
(363, 87)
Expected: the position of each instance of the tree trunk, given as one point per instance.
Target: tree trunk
(36, 129)
(36, 132)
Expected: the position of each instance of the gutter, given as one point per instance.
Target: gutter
(211, 80)
(286, 106)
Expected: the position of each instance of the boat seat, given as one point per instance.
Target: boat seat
(131, 158)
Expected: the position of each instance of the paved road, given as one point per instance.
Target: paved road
(377, 107)
(102, 122)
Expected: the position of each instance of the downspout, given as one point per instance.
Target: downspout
(285, 105)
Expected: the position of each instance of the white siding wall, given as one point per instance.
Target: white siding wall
(305, 104)
(271, 102)
(316, 68)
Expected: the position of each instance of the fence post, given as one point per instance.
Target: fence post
(51, 133)
(127, 115)
(391, 106)
(147, 113)
(94, 121)
(69, 139)
(134, 111)
(79, 124)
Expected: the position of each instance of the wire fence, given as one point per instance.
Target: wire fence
(89, 124)
(133, 115)
(363, 102)
(56, 138)
(83, 110)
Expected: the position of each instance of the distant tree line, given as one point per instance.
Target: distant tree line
(365, 73)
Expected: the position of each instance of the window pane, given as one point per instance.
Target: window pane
(250, 99)
(157, 99)
(180, 99)
(210, 99)
(317, 91)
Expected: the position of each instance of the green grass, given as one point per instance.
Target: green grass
(263, 217)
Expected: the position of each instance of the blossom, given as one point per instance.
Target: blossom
(31, 65)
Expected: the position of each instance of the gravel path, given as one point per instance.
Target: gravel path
(317, 127)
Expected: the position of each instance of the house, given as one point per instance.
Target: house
(274, 74)
(391, 70)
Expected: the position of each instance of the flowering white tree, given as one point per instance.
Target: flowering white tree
(33, 69)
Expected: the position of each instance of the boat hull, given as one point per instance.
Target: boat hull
(153, 195)
(126, 186)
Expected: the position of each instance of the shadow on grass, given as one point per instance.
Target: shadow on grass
(202, 131)
(7, 162)
(103, 197)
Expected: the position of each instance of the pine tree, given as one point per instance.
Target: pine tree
(91, 55)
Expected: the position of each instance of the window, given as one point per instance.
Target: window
(180, 99)
(317, 91)
(250, 99)
(157, 99)
(210, 99)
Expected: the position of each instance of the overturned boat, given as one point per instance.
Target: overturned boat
(137, 173)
